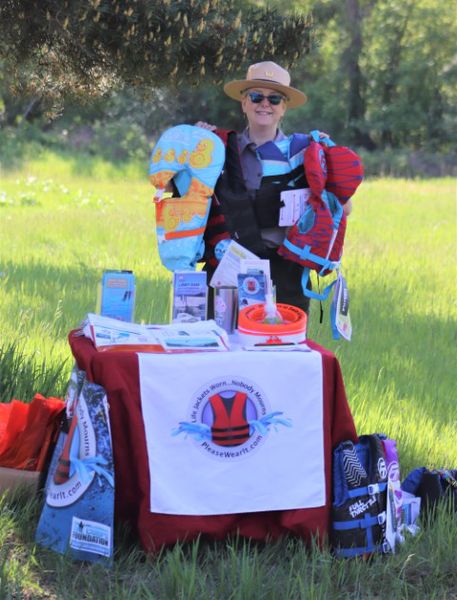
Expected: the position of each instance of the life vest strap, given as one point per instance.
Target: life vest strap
(369, 548)
(367, 521)
(309, 293)
(371, 490)
(173, 235)
(306, 254)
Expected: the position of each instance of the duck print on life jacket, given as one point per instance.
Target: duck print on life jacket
(193, 158)
(230, 427)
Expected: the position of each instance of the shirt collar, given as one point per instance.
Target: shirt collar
(244, 139)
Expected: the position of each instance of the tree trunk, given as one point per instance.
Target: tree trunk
(350, 60)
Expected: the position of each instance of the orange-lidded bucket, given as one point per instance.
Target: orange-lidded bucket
(252, 331)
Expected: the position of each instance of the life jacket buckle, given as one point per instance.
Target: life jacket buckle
(373, 489)
(382, 518)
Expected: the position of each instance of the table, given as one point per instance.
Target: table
(118, 373)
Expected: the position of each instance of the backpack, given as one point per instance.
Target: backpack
(433, 487)
(192, 158)
(316, 240)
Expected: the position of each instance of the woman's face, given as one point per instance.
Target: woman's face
(264, 113)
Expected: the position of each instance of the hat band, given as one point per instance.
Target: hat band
(267, 81)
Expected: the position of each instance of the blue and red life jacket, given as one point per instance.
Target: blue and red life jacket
(316, 240)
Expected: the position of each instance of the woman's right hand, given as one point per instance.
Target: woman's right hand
(204, 125)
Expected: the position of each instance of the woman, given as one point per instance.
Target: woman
(247, 196)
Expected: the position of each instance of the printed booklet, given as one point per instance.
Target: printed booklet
(113, 335)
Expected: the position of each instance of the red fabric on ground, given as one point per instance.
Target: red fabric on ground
(27, 430)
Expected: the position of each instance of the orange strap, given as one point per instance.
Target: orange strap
(172, 235)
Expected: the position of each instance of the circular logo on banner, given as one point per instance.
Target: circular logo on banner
(220, 248)
(229, 418)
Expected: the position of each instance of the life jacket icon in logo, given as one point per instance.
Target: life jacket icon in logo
(230, 427)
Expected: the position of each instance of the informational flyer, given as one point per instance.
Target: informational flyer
(226, 273)
(190, 296)
(118, 295)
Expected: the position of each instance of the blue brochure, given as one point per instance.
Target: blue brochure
(118, 295)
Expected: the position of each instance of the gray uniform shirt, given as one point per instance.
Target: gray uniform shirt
(252, 175)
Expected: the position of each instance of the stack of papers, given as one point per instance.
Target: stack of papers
(109, 334)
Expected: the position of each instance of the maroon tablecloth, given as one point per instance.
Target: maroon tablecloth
(117, 372)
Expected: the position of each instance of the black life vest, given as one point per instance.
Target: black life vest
(240, 214)
(359, 497)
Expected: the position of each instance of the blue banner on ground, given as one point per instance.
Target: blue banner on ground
(77, 517)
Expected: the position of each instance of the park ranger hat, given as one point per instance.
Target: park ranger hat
(268, 75)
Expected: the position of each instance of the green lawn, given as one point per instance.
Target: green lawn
(62, 223)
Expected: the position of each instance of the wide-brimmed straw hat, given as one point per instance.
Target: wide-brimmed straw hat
(269, 75)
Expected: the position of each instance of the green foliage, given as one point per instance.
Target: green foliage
(136, 41)
(22, 376)
(379, 74)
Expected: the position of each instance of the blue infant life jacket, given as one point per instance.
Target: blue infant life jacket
(193, 158)
(359, 497)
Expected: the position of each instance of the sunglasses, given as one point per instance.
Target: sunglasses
(273, 99)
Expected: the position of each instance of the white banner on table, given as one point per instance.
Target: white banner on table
(233, 432)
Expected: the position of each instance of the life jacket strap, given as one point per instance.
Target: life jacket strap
(173, 235)
(351, 552)
(371, 490)
(367, 521)
(306, 254)
(309, 293)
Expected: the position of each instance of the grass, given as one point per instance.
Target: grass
(62, 223)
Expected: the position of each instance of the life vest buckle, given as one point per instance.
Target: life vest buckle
(382, 518)
(373, 489)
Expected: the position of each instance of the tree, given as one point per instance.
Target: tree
(382, 73)
(94, 45)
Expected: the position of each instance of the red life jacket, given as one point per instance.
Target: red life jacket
(230, 427)
(316, 240)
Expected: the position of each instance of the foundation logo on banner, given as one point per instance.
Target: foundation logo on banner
(230, 418)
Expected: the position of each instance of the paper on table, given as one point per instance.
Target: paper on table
(111, 334)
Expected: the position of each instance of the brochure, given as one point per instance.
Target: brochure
(190, 296)
(199, 336)
(111, 335)
(252, 288)
(226, 273)
(117, 296)
(293, 203)
(339, 310)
